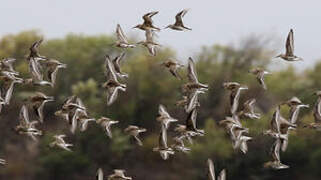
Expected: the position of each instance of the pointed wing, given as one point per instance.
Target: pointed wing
(120, 173)
(108, 130)
(244, 147)
(61, 136)
(32, 135)
(9, 93)
(193, 101)
(276, 150)
(260, 78)
(121, 35)
(250, 105)
(38, 43)
(110, 69)
(34, 68)
(319, 106)
(112, 94)
(179, 16)
(317, 111)
(74, 122)
(82, 111)
(116, 62)
(163, 138)
(52, 75)
(118, 59)
(179, 141)
(107, 69)
(222, 175)
(24, 115)
(148, 18)
(285, 143)
(69, 100)
(191, 120)
(139, 142)
(35, 45)
(235, 100)
(40, 112)
(163, 112)
(151, 49)
(9, 63)
(99, 174)
(60, 139)
(80, 103)
(211, 171)
(290, 44)
(108, 126)
(294, 113)
(173, 71)
(84, 124)
(275, 123)
(192, 76)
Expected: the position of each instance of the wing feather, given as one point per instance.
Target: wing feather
(24, 115)
(192, 76)
(290, 44)
(211, 171)
(121, 35)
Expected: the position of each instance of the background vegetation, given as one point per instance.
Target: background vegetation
(149, 85)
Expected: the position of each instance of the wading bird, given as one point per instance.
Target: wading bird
(193, 83)
(163, 117)
(148, 22)
(60, 142)
(179, 25)
(275, 153)
(106, 124)
(248, 110)
(25, 126)
(260, 73)
(112, 85)
(173, 66)
(149, 42)
(52, 69)
(116, 62)
(122, 41)
(135, 131)
(289, 53)
(119, 174)
(316, 113)
(235, 89)
(162, 148)
(38, 102)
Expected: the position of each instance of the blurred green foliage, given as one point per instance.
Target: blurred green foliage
(149, 84)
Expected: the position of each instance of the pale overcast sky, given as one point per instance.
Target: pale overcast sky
(212, 21)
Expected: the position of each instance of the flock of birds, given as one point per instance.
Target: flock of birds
(43, 72)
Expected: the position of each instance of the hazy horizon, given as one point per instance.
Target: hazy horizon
(226, 23)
